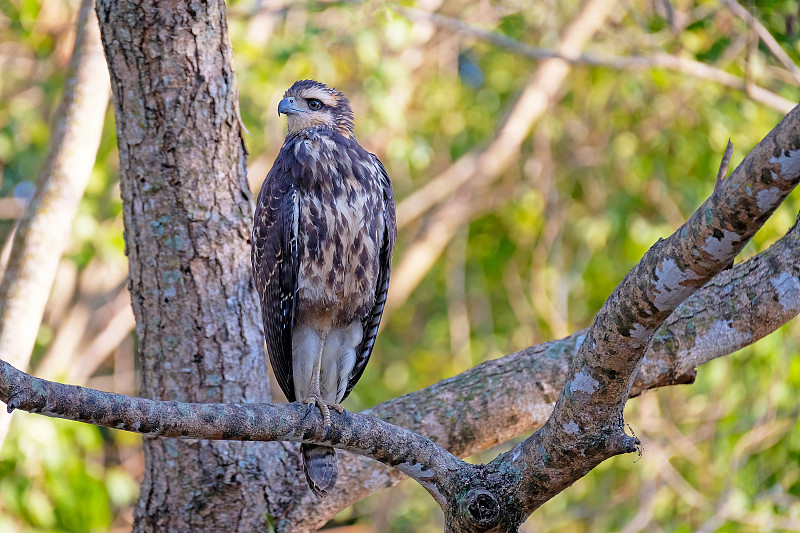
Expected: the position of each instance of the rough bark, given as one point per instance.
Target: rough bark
(187, 214)
(44, 231)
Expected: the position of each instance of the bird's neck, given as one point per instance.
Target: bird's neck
(323, 130)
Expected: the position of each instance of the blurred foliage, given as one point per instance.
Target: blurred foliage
(621, 160)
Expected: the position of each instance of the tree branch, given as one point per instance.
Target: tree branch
(454, 412)
(586, 426)
(753, 298)
(760, 294)
(412, 454)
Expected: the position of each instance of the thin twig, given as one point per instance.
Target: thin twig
(633, 62)
(766, 37)
(723, 165)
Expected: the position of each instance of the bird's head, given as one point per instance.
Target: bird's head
(309, 104)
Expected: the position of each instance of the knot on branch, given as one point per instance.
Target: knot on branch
(621, 442)
(25, 399)
(481, 509)
(17, 390)
(485, 499)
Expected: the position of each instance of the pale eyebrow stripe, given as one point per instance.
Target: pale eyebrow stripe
(320, 95)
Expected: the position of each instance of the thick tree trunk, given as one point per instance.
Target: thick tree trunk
(187, 213)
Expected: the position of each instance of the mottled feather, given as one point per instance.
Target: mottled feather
(274, 257)
(372, 320)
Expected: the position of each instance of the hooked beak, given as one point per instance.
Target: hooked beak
(286, 106)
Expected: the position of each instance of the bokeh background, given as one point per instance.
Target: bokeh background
(619, 158)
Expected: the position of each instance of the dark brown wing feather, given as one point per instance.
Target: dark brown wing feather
(275, 266)
(372, 321)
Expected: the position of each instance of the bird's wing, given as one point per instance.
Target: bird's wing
(275, 266)
(372, 321)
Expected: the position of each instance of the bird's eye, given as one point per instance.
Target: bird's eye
(314, 104)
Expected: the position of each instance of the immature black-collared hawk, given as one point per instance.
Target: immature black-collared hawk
(323, 238)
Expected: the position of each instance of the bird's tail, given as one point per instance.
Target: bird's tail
(320, 466)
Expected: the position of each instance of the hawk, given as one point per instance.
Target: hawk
(323, 238)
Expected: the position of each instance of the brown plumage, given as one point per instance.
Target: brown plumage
(323, 239)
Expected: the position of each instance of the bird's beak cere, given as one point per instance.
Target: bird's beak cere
(286, 106)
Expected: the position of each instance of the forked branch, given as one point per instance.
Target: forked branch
(586, 425)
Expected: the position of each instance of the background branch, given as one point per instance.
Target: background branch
(44, 232)
(475, 172)
(655, 60)
(540, 92)
(766, 37)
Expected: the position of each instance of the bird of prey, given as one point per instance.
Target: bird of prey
(323, 238)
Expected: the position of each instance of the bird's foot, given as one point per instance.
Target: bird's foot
(324, 408)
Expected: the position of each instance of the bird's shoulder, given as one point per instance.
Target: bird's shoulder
(307, 144)
(314, 153)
